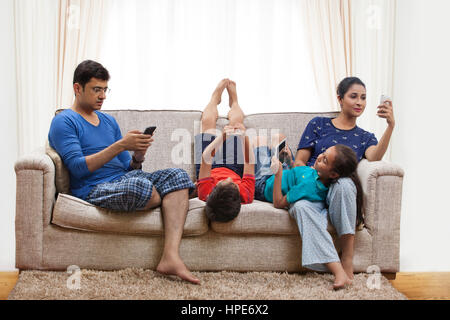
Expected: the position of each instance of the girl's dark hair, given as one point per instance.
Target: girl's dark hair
(87, 70)
(346, 84)
(345, 166)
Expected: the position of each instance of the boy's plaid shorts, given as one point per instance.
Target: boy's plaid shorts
(133, 190)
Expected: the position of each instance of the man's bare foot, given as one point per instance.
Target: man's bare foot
(217, 94)
(341, 281)
(176, 267)
(347, 264)
(232, 93)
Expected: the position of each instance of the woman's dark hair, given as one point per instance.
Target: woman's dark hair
(345, 165)
(346, 84)
(223, 203)
(87, 70)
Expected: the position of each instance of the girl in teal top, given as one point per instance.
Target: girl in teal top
(311, 183)
(298, 183)
(288, 186)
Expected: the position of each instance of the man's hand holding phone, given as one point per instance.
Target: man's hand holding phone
(139, 156)
(136, 141)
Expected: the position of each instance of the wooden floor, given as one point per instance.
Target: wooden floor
(423, 285)
(7, 282)
(416, 286)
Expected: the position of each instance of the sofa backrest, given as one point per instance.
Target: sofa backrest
(173, 144)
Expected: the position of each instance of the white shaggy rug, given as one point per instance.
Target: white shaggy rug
(139, 284)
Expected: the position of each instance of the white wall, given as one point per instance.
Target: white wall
(8, 134)
(421, 141)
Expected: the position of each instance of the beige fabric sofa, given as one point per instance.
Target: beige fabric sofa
(55, 230)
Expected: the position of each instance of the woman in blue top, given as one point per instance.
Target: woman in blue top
(318, 250)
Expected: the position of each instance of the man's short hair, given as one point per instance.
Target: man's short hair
(223, 203)
(87, 70)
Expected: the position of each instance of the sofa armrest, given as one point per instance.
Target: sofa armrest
(35, 197)
(382, 184)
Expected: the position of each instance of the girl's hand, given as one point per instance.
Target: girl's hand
(386, 111)
(276, 167)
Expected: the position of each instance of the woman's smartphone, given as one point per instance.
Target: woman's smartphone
(384, 98)
(150, 130)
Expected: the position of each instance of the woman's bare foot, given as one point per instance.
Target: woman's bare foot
(341, 281)
(176, 267)
(232, 93)
(347, 264)
(217, 94)
(347, 246)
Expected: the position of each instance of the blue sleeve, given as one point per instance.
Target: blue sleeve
(63, 138)
(371, 141)
(125, 156)
(309, 138)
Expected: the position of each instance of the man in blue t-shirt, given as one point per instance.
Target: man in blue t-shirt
(103, 172)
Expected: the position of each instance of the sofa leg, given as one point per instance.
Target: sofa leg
(390, 276)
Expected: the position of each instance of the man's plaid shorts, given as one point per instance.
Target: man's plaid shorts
(133, 190)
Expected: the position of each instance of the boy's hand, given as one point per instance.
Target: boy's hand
(228, 129)
(276, 167)
(239, 128)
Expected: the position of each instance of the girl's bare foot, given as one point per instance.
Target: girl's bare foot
(232, 93)
(216, 97)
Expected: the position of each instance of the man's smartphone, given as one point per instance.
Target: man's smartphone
(150, 130)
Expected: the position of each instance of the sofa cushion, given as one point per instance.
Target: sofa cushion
(261, 218)
(62, 177)
(71, 212)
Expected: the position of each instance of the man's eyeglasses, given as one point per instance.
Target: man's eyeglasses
(98, 90)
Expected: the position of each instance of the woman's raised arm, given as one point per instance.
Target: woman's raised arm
(376, 153)
(302, 157)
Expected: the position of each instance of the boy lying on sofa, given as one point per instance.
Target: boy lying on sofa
(226, 172)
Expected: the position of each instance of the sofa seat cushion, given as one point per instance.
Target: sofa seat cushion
(74, 213)
(261, 218)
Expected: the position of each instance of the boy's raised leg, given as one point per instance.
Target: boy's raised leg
(235, 115)
(210, 113)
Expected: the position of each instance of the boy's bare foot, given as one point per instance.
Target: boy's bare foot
(217, 94)
(176, 267)
(232, 93)
(347, 264)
